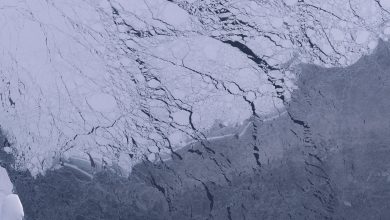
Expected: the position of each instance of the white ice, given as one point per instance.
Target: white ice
(10, 206)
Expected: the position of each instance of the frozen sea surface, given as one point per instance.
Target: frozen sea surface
(327, 157)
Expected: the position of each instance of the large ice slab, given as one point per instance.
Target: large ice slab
(10, 205)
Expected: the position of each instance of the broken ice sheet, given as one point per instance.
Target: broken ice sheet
(192, 99)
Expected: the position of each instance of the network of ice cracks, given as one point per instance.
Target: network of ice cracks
(125, 80)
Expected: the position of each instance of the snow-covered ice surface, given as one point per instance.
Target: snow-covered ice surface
(10, 205)
(87, 85)
(126, 80)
